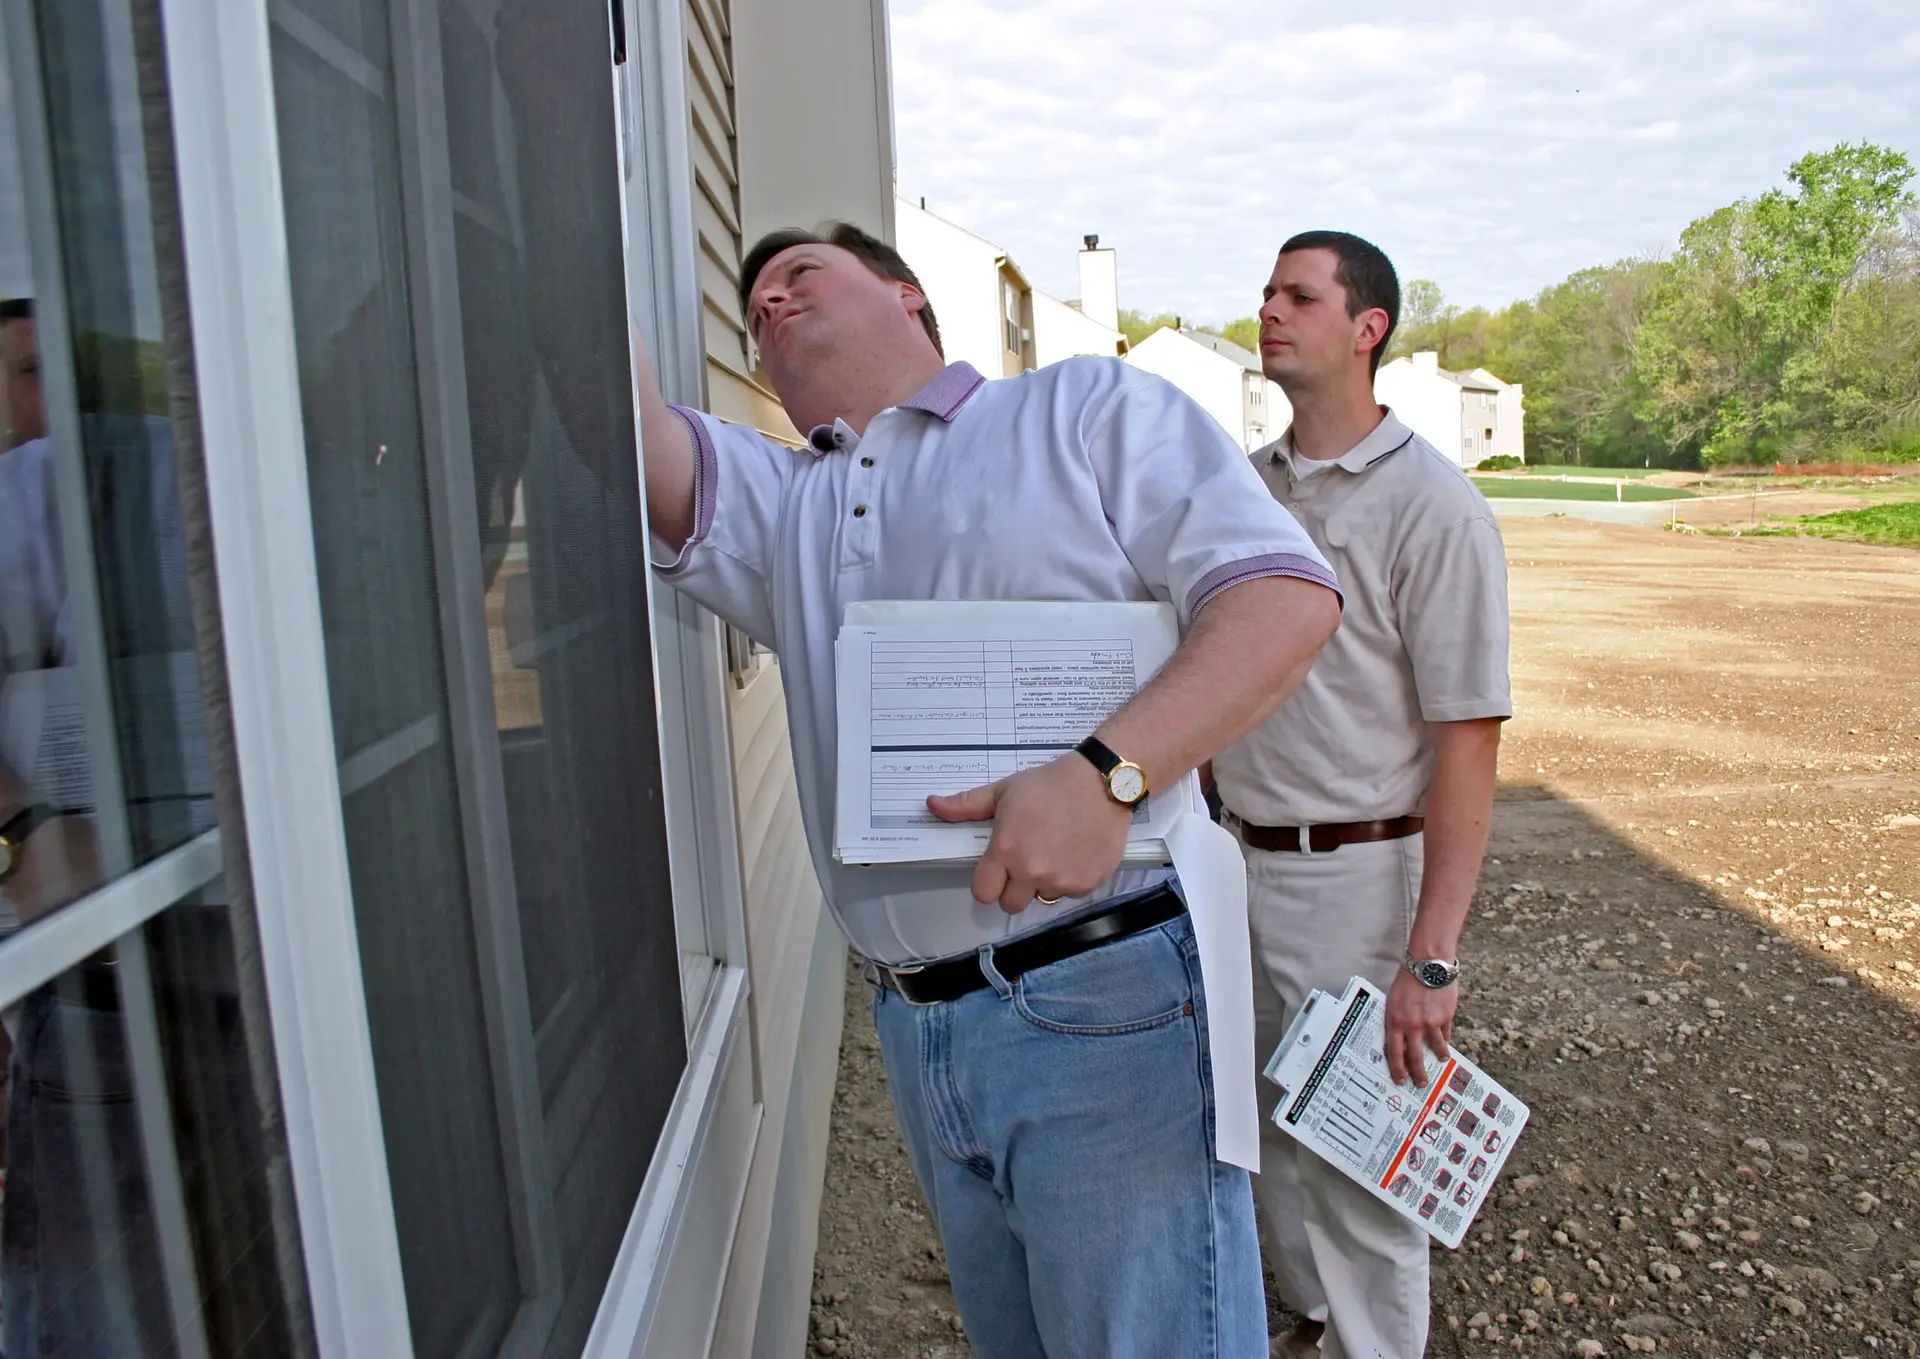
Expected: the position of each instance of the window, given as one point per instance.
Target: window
(147, 1206)
(1011, 298)
(450, 179)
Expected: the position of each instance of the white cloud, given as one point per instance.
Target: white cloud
(1494, 153)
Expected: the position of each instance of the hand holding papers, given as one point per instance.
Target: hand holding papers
(1430, 1152)
(944, 697)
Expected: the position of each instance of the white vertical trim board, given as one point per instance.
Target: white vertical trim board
(219, 69)
(634, 1299)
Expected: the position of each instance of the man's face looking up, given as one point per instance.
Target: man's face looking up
(819, 304)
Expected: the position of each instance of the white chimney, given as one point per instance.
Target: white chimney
(1099, 285)
(1427, 361)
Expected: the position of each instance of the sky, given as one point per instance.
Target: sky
(1494, 148)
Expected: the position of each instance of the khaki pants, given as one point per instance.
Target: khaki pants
(1341, 1256)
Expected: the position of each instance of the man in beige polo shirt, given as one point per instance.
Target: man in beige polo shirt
(1363, 804)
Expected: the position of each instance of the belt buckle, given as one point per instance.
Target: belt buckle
(895, 973)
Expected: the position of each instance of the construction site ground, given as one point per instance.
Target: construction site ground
(1693, 954)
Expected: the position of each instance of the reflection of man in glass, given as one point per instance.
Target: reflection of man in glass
(22, 415)
(78, 1255)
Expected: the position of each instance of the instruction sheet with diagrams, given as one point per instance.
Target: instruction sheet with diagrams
(941, 697)
(1430, 1152)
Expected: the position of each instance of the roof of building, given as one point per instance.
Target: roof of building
(1474, 379)
(1225, 348)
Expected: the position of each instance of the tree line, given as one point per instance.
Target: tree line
(1783, 328)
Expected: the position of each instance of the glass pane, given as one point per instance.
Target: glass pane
(145, 1208)
(459, 300)
(105, 1248)
(368, 481)
(102, 751)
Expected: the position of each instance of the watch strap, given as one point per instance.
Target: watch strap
(26, 821)
(1100, 755)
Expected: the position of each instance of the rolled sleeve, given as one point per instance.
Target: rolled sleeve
(1187, 507)
(1452, 604)
(739, 483)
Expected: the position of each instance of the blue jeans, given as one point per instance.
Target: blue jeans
(1061, 1126)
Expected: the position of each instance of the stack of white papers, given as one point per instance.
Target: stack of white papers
(944, 696)
(1432, 1152)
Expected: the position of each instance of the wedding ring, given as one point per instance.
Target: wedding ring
(1046, 901)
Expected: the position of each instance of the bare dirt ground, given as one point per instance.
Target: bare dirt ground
(1693, 954)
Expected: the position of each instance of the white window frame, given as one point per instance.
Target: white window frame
(220, 74)
(220, 78)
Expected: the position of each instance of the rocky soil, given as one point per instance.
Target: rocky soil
(1694, 954)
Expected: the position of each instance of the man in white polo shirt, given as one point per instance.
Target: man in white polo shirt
(1039, 1015)
(1363, 803)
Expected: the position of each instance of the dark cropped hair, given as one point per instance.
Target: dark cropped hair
(1364, 271)
(16, 309)
(870, 250)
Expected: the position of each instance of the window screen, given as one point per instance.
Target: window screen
(452, 205)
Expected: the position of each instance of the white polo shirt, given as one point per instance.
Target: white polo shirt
(1087, 480)
(1422, 639)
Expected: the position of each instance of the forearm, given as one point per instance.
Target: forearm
(1459, 815)
(668, 456)
(1245, 654)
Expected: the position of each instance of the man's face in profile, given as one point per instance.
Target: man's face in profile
(1306, 336)
(26, 417)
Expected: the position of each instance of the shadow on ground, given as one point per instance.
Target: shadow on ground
(1721, 1159)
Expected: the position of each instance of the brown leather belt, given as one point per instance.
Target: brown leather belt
(1324, 839)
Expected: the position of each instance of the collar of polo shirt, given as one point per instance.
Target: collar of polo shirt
(1389, 436)
(951, 388)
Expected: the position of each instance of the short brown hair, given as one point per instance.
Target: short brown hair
(870, 250)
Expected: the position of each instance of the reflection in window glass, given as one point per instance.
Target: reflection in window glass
(146, 1205)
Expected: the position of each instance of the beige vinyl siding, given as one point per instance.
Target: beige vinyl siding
(733, 390)
(796, 958)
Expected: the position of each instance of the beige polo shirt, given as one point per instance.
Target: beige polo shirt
(1423, 637)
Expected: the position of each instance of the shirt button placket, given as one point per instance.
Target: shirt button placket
(860, 533)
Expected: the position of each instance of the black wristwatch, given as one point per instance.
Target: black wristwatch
(1126, 781)
(14, 833)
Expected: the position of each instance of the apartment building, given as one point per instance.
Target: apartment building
(1470, 416)
(989, 314)
(406, 935)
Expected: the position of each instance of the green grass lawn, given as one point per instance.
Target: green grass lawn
(1895, 525)
(1531, 489)
(1556, 469)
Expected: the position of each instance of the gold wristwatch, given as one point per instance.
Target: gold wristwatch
(1126, 781)
(14, 833)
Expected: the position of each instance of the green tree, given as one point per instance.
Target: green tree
(1730, 351)
(1136, 326)
(1244, 332)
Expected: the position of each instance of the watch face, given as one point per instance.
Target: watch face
(1127, 784)
(1435, 973)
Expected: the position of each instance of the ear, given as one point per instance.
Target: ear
(1372, 328)
(912, 298)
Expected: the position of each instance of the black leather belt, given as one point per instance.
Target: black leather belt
(1323, 839)
(937, 982)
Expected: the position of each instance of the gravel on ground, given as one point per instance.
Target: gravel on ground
(1694, 953)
